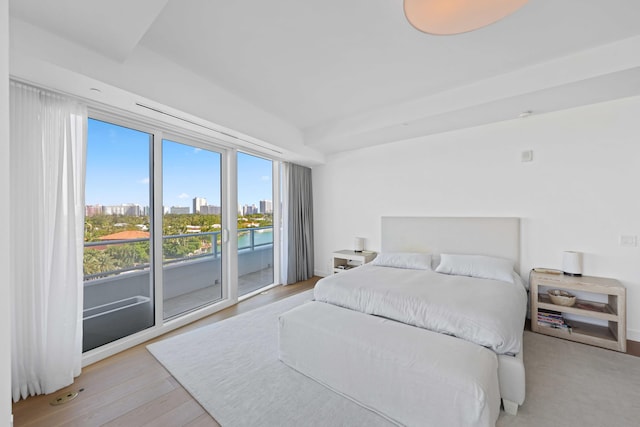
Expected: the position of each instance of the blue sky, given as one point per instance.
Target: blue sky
(118, 170)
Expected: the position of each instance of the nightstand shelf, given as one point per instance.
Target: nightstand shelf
(348, 259)
(611, 336)
(586, 333)
(602, 311)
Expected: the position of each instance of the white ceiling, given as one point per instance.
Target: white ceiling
(353, 73)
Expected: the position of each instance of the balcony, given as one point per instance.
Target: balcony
(118, 302)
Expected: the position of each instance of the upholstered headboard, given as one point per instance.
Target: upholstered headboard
(459, 235)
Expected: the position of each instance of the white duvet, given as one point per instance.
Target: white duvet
(486, 312)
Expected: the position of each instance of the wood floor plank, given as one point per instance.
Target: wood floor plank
(125, 404)
(152, 410)
(203, 421)
(180, 416)
(95, 393)
(104, 407)
(132, 388)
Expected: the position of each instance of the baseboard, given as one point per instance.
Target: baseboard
(633, 342)
(633, 348)
(633, 334)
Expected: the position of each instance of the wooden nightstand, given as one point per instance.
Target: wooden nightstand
(347, 259)
(613, 312)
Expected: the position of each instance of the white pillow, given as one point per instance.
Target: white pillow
(484, 267)
(412, 260)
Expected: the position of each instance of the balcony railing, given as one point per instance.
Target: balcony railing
(249, 239)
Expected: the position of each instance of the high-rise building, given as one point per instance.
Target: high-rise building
(249, 210)
(210, 210)
(131, 209)
(266, 207)
(92, 210)
(198, 202)
(179, 210)
(128, 209)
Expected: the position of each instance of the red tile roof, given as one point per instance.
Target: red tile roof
(126, 235)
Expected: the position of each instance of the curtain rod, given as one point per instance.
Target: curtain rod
(205, 127)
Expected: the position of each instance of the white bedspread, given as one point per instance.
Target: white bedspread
(487, 312)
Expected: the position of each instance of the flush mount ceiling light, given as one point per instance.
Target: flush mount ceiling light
(443, 17)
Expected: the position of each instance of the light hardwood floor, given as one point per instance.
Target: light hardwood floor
(132, 388)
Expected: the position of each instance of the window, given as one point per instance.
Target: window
(157, 229)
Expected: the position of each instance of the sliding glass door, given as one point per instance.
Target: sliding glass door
(192, 250)
(118, 289)
(255, 223)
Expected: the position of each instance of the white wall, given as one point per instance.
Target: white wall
(5, 326)
(579, 193)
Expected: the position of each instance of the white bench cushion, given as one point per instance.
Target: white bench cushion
(410, 375)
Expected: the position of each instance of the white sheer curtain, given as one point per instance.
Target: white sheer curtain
(47, 146)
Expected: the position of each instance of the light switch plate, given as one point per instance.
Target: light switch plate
(526, 156)
(629, 241)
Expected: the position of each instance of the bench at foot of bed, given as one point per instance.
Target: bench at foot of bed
(510, 407)
(511, 378)
(410, 375)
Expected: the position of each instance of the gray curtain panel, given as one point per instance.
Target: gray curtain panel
(300, 235)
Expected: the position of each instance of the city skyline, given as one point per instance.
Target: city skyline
(132, 209)
(117, 171)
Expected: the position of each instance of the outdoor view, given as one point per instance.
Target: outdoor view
(119, 231)
(117, 199)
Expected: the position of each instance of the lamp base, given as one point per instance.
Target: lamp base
(572, 274)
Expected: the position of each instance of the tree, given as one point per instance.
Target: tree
(180, 247)
(132, 254)
(96, 261)
(129, 255)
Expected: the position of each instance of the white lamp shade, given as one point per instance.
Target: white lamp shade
(358, 244)
(572, 263)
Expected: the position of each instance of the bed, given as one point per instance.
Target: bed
(419, 346)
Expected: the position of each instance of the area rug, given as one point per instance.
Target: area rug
(232, 369)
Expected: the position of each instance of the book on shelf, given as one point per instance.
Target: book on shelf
(550, 315)
(563, 326)
(546, 320)
(549, 312)
(553, 319)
